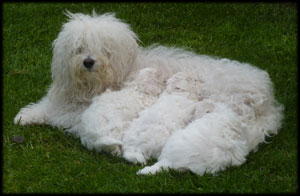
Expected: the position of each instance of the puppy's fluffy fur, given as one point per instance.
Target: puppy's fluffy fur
(189, 111)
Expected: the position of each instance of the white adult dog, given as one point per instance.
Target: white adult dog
(189, 111)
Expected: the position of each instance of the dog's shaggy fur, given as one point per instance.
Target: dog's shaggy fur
(189, 111)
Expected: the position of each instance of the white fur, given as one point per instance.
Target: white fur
(189, 111)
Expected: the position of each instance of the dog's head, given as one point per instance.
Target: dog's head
(93, 52)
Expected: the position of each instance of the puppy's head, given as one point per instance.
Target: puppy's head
(93, 51)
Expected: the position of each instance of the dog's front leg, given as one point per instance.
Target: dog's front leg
(34, 113)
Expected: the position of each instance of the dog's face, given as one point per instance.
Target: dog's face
(93, 51)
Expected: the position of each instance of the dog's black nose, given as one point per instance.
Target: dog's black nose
(88, 63)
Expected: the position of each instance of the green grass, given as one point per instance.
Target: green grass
(51, 162)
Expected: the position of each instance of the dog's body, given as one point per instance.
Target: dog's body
(189, 111)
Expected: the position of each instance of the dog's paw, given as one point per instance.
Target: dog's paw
(134, 157)
(28, 116)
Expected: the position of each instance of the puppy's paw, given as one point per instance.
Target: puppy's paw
(149, 170)
(134, 157)
(163, 164)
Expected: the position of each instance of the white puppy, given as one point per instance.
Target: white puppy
(174, 109)
(190, 111)
(104, 122)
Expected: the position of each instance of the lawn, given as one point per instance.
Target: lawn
(49, 161)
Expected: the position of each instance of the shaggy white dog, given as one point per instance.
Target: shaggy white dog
(189, 111)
